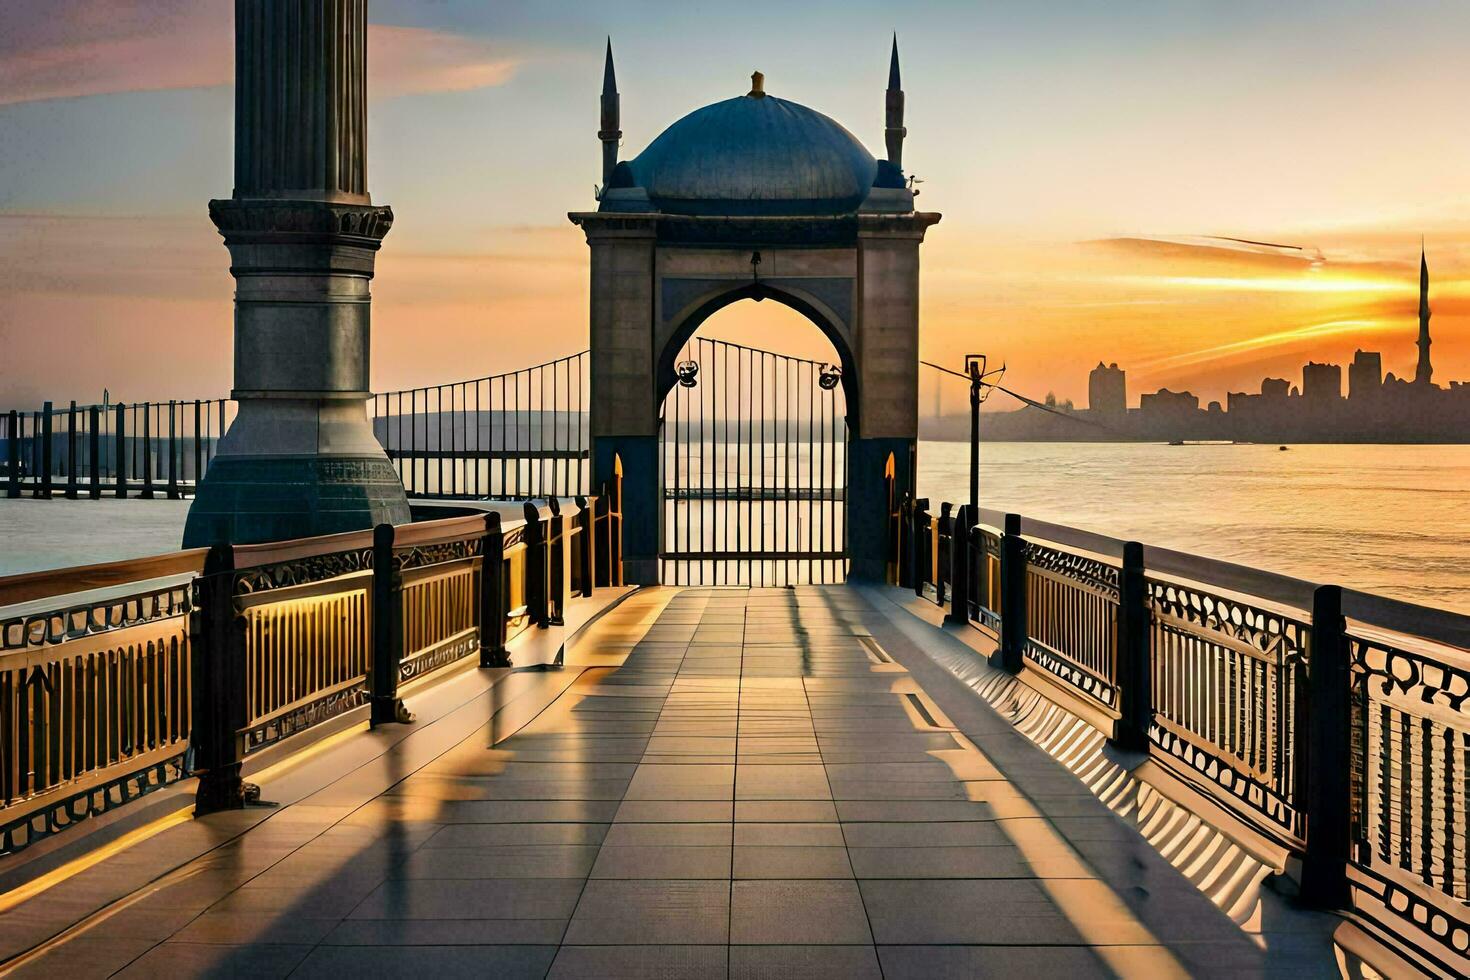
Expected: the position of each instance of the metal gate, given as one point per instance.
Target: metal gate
(753, 449)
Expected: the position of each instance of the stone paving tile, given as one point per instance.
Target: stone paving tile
(447, 932)
(663, 962)
(487, 898)
(999, 962)
(440, 962)
(788, 835)
(175, 959)
(669, 834)
(663, 862)
(804, 963)
(797, 912)
(792, 862)
(651, 912)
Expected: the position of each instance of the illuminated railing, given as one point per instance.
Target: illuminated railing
(1334, 723)
(119, 679)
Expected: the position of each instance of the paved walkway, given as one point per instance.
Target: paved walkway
(761, 790)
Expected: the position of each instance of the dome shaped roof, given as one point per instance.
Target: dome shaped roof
(755, 155)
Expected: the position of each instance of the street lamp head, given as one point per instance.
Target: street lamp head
(828, 377)
(687, 372)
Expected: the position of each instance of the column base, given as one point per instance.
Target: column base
(867, 502)
(251, 499)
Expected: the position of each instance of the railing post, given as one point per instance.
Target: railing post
(217, 650)
(492, 595)
(387, 632)
(173, 452)
(556, 596)
(120, 451)
(1134, 670)
(602, 527)
(943, 531)
(1329, 756)
(71, 452)
(959, 565)
(44, 489)
(1011, 653)
(615, 529)
(198, 445)
(12, 453)
(536, 567)
(94, 450)
(920, 554)
(904, 557)
(147, 456)
(589, 538)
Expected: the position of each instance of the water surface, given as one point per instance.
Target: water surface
(1388, 519)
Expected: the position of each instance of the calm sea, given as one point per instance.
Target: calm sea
(1388, 519)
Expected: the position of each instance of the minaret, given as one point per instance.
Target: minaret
(610, 134)
(1425, 370)
(300, 458)
(894, 132)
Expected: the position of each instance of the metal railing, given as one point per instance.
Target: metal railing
(515, 436)
(145, 449)
(119, 679)
(510, 436)
(1333, 722)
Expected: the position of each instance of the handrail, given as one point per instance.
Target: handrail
(489, 377)
(31, 586)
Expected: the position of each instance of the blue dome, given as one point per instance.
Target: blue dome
(755, 155)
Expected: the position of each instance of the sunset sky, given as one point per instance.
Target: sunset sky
(1088, 157)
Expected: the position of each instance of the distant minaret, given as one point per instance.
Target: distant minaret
(610, 134)
(1425, 370)
(894, 132)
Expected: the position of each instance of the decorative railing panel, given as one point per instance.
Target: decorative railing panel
(1411, 784)
(985, 578)
(441, 620)
(94, 709)
(306, 655)
(1072, 619)
(1228, 685)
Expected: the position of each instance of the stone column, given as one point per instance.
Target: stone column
(888, 378)
(302, 231)
(625, 411)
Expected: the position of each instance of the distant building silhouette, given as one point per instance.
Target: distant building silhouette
(1321, 382)
(1365, 375)
(1107, 393)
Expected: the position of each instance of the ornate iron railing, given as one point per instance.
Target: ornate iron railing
(1334, 723)
(118, 679)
